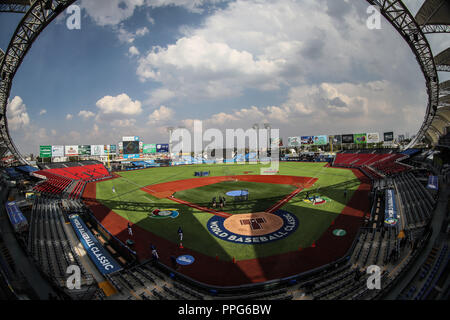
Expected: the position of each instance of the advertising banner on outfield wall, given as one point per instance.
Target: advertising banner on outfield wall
(337, 139)
(307, 140)
(131, 156)
(320, 140)
(71, 150)
(162, 147)
(57, 151)
(347, 138)
(45, 151)
(84, 150)
(373, 137)
(97, 150)
(388, 136)
(149, 148)
(360, 138)
(294, 141)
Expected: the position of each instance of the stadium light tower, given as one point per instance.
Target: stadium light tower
(268, 127)
(256, 127)
(170, 130)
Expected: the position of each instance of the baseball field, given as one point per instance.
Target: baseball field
(158, 201)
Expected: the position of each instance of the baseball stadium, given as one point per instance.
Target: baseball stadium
(359, 215)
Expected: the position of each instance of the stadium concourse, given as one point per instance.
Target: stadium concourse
(53, 215)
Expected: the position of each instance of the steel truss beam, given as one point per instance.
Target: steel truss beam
(440, 28)
(38, 16)
(403, 21)
(443, 68)
(13, 8)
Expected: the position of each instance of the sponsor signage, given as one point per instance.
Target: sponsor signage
(57, 151)
(131, 156)
(360, 138)
(113, 149)
(388, 136)
(347, 138)
(307, 140)
(294, 141)
(373, 137)
(390, 213)
(97, 253)
(162, 147)
(337, 139)
(97, 150)
(45, 151)
(320, 140)
(71, 150)
(84, 150)
(134, 138)
(149, 148)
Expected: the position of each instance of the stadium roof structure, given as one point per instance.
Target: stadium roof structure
(445, 86)
(15, 6)
(39, 13)
(443, 60)
(434, 16)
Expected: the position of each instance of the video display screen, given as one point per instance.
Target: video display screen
(131, 147)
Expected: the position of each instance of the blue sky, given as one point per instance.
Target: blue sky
(137, 66)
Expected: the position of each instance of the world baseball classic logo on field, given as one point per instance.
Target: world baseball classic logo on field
(253, 228)
(164, 213)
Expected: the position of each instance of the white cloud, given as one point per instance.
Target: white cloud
(69, 116)
(191, 5)
(125, 36)
(161, 114)
(110, 12)
(17, 114)
(328, 108)
(195, 66)
(121, 104)
(42, 112)
(133, 51)
(124, 123)
(113, 12)
(86, 114)
(141, 32)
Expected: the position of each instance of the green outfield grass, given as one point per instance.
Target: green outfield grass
(135, 205)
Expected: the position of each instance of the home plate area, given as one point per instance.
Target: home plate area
(253, 228)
